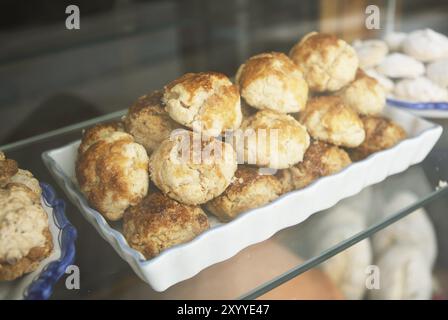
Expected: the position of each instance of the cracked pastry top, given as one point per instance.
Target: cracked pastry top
(159, 222)
(190, 170)
(272, 139)
(321, 159)
(248, 190)
(328, 119)
(148, 122)
(205, 101)
(25, 239)
(98, 132)
(272, 81)
(113, 174)
(365, 95)
(327, 62)
(381, 133)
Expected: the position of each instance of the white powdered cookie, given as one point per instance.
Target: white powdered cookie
(370, 52)
(426, 45)
(400, 267)
(397, 65)
(437, 72)
(420, 90)
(395, 40)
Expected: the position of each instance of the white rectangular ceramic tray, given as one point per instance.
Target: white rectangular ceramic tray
(223, 241)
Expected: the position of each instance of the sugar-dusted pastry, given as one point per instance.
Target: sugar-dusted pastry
(10, 173)
(364, 94)
(397, 65)
(205, 101)
(404, 275)
(98, 132)
(272, 81)
(420, 90)
(248, 190)
(395, 40)
(148, 122)
(414, 230)
(327, 118)
(27, 179)
(370, 52)
(437, 72)
(348, 268)
(159, 222)
(381, 133)
(25, 238)
(387, 84)
(327, 63)
(192, 171)
(272, 139)
(113, 174)
(426, 45)
(321, 159)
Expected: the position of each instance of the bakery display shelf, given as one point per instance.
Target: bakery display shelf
(343, 245)
(256, 269)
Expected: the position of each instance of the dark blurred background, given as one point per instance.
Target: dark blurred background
(51, 77)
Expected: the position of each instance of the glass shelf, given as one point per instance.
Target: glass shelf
(260, 267)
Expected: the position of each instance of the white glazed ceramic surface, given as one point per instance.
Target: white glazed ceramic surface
(223, 241)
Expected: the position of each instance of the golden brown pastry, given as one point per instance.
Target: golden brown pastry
(10, 173)
(159, 222)
(148, 122)
(272, 139)
(25, 238)
(272, 81)
(27, 179)
(249, 190)
(205, 101)
(113, 174)
(364, 95)
(192, 171)
(321, 159)
(8, 168)
(381, 133)
(328, 119)
(98, 132)
(327, 63)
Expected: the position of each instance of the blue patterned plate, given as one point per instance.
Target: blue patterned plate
(38, 285)
(424, 109)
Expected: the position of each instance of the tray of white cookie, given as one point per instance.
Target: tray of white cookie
(198, 171)
(412, 67)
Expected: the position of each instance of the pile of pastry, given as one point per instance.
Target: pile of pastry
(148, 171)
(25, 238)
(411, 67)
